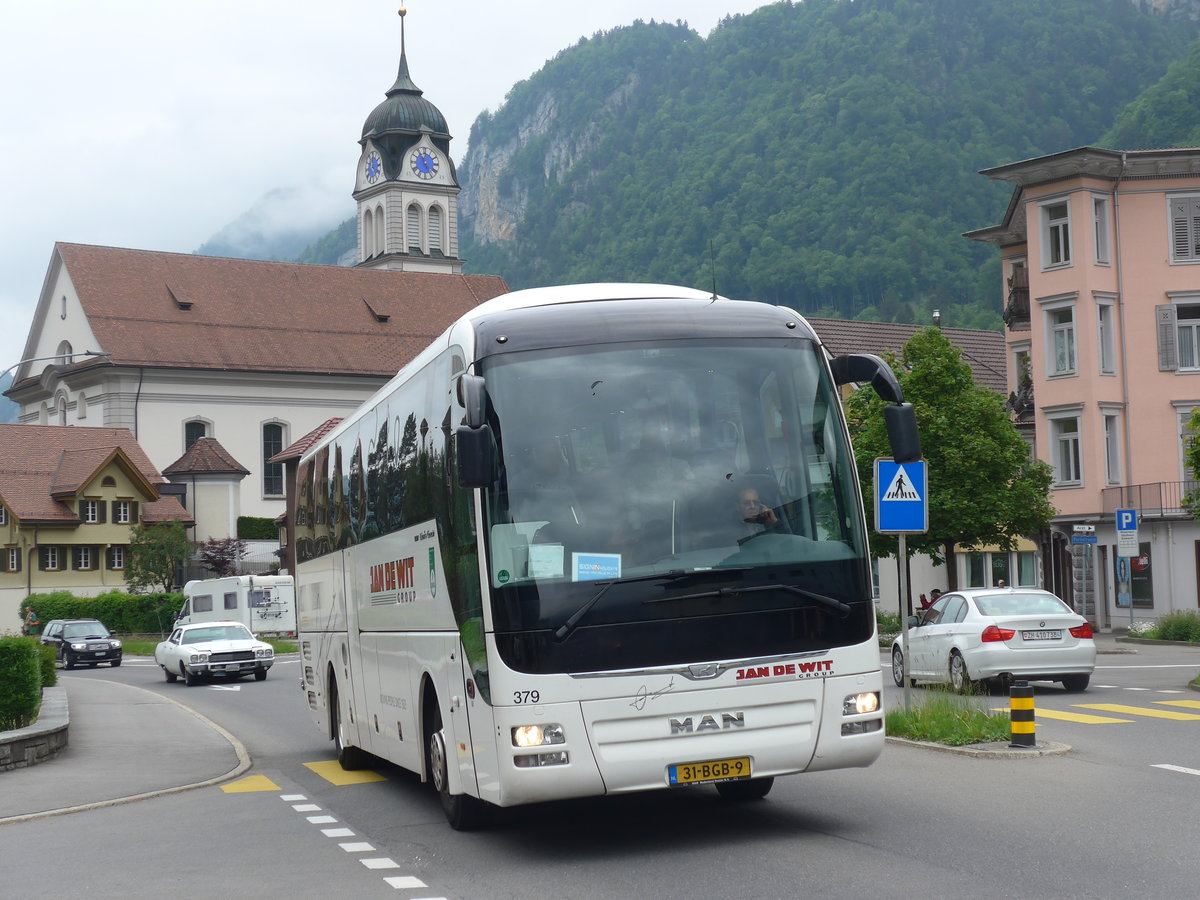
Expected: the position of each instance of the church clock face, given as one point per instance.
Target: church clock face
(424, 162)
(374, 169)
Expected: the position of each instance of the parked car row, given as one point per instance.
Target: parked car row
(997, 635)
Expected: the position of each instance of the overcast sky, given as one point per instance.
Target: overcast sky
(152, 124)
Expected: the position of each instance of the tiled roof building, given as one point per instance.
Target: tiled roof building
(68, 500)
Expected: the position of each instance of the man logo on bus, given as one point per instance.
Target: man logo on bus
(708, 722)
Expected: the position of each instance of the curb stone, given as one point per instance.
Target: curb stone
(994, 750)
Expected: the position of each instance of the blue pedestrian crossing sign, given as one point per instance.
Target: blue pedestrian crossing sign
(901, 497)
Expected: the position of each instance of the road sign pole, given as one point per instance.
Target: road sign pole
(902, 551)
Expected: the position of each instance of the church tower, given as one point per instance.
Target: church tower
(405, 187)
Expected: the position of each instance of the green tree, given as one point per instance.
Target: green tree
(984, 485)
(155, 553)
(1191, 456)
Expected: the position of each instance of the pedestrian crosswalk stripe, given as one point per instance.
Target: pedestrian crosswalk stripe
(1188, 704)
(250, 784)
(1082, 718)
(332, 772)
(1141, 711)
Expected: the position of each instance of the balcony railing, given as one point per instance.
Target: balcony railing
(1161, 499)
(1016, 309)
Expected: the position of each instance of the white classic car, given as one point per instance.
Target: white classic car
(213, 648)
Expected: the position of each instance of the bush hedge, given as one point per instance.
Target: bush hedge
(1178, 626)
(20, 682)
(121, 612)
(257, 528)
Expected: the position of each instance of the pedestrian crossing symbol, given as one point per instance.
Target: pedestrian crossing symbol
(901, 489)
(901, 501)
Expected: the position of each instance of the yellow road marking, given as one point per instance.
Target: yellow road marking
(1141, 711)
(332, 772)
(250, 784)
(1189, 704)
(1082, 718)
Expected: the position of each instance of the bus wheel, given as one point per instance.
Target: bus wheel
(463, 812)
(740, 791)
(348, 757)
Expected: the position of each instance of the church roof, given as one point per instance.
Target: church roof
(44, 466)
(177, 310)
(206, 456)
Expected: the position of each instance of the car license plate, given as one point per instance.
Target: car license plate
(712, 770)
(1055, 635)
(99, 652)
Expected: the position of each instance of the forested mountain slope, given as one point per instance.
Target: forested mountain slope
(822, 154)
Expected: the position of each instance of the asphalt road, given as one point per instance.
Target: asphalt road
(1104, 821)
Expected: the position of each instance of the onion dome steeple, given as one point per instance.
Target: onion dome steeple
(405, 110)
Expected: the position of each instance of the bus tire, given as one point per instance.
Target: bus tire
(742, 791)
(348, 757)
(463, 812)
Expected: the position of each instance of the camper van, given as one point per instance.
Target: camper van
(266, 604)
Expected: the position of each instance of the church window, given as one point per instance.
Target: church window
(60, 409)
(192, 432)
(64, 353)
(368, 230)
(380, 236)
(414, 228)
(272, 443)
(435, 229)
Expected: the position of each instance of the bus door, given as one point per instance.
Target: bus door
(470, 717)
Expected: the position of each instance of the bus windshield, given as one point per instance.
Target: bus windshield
(679, 482)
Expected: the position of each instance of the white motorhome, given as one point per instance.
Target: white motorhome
(266, 604)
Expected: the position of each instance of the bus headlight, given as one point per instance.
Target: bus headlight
(858, 704)
(537, 735)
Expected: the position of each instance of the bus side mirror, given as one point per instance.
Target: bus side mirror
(471, 395)
(898, 416)
(473, 452)
(901, 424)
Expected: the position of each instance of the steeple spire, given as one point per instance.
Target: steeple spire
(403, 81)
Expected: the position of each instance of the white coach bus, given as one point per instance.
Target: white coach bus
(597, 539)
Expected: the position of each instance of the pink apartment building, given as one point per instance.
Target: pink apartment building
(1100, 253)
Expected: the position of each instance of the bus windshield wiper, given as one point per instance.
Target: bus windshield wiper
(564, 630)
(832, 603)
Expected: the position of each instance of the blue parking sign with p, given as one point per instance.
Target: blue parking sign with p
(1127, 520)
(901, 497)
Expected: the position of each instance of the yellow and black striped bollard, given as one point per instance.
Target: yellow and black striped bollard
(1020, 713)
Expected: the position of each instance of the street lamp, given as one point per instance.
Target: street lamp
(96, 353)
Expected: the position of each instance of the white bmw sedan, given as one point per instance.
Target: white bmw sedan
(195, 651)
(997, 635)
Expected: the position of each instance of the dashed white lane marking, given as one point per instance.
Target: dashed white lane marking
(1183, 769)
(375, 863)
(380, 862)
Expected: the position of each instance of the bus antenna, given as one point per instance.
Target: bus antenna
(712, 264)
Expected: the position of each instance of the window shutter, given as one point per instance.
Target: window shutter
(414, 227)
(133, 512)
(435, 229)
(1168, 357)
(101, 511)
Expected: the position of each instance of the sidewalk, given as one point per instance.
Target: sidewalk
(124, 743)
